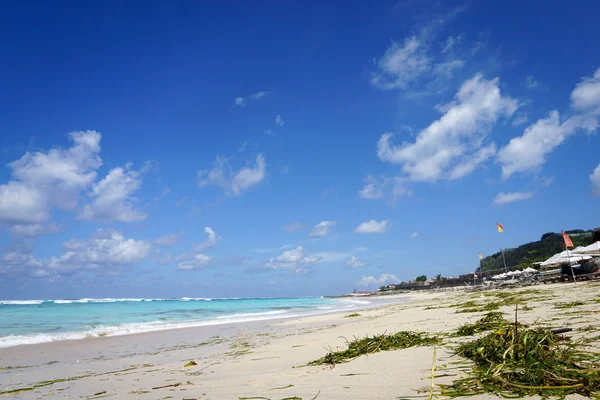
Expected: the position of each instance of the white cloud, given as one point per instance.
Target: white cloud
(44, 180)
(106, 247)
(401, 64)
(293, 260)
(595, 180)
(447, 69)
(168, 240)
(235, 184)
(354, 262)
(468, 165)
(528, 152)
(195, 259)
(520, 119)
(373, 226)
(198, 261)
(373, 281)
(413, 235)
(35, 229)
(103, 252)
(452, 146)
(112, 198)
(20, 203)
(586, 95)
(505, 198)
(249, 176)
(243, 101)
(376, 188)
(322, 229)
(531, 82)
(293, 227)
(278, 120)
(211, 241)
(450, 43)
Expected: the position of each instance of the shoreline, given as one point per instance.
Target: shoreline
(269, 359)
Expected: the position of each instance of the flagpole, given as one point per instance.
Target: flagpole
(569, 259)
(502, 249)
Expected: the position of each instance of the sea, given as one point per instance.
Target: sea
(25, 322)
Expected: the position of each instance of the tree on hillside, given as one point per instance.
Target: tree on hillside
(438, 277)
(550, 244)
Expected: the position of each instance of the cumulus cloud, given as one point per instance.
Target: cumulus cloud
(374, 281)
(196, 259)
(112, 198)
(233, 183)
(595, 180)
(373, 226)
(35, 229)
(295, 260)
(452, 146)
(505, 198)
(196, 262)
(242, 101)
(586, 94)
(168, 240)
(529, 152)
(52, 179)
(278, 120)
(401, 64)
(354, 262)
(322, 229)
(105, 250)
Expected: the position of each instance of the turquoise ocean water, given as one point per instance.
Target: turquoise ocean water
(38, 321)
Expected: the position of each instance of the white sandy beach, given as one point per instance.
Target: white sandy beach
(264, 360)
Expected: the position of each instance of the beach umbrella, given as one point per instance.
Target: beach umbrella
(593, 248)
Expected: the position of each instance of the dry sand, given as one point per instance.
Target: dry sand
(264, 360)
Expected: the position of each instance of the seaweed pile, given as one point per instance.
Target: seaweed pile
(374, 344)
(488, 322)
(513, 362)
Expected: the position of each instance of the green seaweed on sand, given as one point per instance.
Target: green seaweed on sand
(374, 344)
(281, 388)
(568, 305)
(525, 362)
(190, 364)
(488, 322)
(352, 315)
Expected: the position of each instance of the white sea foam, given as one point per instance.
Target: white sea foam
(133, 328)
(21, 302)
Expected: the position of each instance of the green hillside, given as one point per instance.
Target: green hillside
(550, 244)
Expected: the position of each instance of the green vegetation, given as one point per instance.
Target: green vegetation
(526, 362)
(488, 322)
(568, 305)
(523, 256)
(421, 278)
(367, 345)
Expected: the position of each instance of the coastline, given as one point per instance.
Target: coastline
(263, 358)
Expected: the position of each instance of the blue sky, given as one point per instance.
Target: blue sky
(287, 148)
